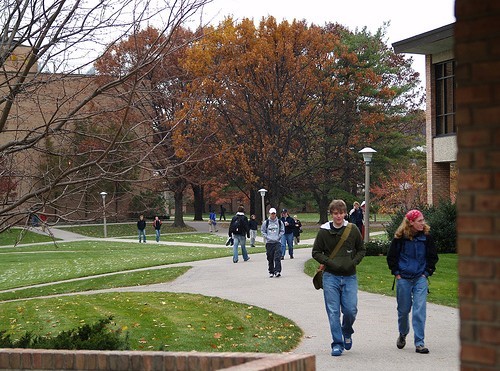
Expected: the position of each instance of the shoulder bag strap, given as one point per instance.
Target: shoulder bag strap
(344, 236)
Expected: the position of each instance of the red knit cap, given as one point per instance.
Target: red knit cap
(413, 215)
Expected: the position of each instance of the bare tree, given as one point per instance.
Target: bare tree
(66, 134)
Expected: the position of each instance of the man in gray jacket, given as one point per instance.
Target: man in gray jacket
(272, 230)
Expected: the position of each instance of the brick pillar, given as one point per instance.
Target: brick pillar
(477, 51)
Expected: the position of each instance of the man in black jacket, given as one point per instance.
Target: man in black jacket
(141, 226)
(239, 230)
(287, 238)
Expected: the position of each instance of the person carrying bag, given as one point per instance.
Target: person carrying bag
(318, 277)
(339, 248)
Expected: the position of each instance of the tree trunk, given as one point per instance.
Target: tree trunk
(323, 203)
(179, 215)
(253, 200)
(198, 201)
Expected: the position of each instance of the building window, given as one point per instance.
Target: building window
(445, 98)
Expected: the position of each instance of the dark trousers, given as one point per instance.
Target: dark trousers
(273, 253)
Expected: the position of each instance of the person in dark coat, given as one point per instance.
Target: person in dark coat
(412, 257)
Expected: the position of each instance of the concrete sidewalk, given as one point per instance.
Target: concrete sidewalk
(293, 296)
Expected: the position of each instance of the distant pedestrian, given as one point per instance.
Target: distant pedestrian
(239, 230)
(356, 216)
(272, 230)
(297, 230)
(43, 221)
(157, 226)
(141, 227)
(212, 222)
(339, 248)
(253, 224)
(222, 212)
(287, 238)
(412, 257)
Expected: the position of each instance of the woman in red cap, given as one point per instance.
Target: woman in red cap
(412, 257)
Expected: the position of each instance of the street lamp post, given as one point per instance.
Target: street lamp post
(263, 192)
(103, 194)
(367, 153)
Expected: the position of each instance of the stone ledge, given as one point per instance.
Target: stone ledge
(42, 359)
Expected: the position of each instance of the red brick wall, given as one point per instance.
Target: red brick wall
(36, 359)
(477, 51)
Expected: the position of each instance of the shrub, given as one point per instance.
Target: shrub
(441, 218)
(98, 336)
(377, 247)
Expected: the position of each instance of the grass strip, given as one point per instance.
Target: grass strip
(126, 279)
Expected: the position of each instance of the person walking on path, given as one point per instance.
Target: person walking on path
(287, 238)
(272, 230)
(141, 228)
(297, 230)
(253, 225)
(212, 222)
(157, 226)
(412, 257)
(239, 230)
(340, 284)
(356, 215)
(222, 213)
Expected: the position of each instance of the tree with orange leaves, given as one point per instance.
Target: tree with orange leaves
(293, 103)
(174, 143)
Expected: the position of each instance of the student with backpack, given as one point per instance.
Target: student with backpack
(239, 230)
(272, 231)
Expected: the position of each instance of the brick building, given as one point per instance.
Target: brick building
(441, 129)
(57, 122)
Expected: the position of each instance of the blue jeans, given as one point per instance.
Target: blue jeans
(239, 240)
(287, 239)
(142, 233)
(273, 254)
(411, 295)
(157, 232)
(341, 296)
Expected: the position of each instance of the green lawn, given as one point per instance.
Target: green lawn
(159, 321)
(21, 236)
(153, 321)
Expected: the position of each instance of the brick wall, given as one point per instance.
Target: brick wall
(32, 359)
(477, 51)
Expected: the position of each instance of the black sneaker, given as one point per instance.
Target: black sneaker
(278, 274)
(421, 349)
(401, 341)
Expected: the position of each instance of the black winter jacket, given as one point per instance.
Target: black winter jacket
(412, 258)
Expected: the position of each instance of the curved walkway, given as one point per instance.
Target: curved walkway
(293, 296)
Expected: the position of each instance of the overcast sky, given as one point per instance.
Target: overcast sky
(407, 18)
